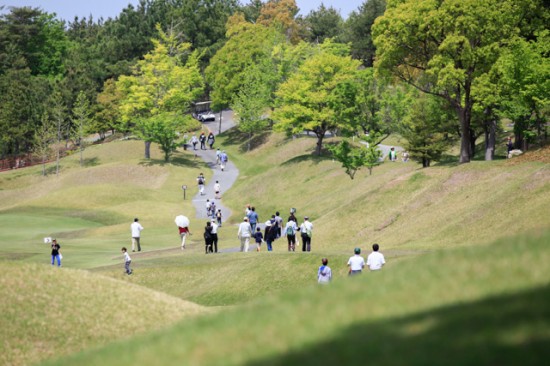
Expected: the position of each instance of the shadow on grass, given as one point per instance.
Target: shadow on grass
(502, 330)
(89, 162)
(234, 137)
(184, 160)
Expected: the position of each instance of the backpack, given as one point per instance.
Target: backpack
(201, 181)
(289, 230)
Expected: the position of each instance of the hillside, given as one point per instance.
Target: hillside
(49, 312)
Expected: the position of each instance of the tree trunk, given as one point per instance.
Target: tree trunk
(490, 139)
(464, 118)
(473, 139)
(320, 136)
(147, 149)
(43, 167)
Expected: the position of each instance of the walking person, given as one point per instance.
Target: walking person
(200, 182)
(218, 154)
(217, 189)
(244, 234)
(393, 154)
(136, 229)
(214, 234)
(219, 217)
(252, 218)
(279, 221)
(306, 232)
(194, 141)
(184, 231)
(270, 235)
(56, 253)
(290, 230)
(223, 160)
(509, 147)
(356, 263)
(212, 210)
(208, 238)
(208, 206)
(324, 273)
(258, 238)
(375, 260)
(127, 261)
(202, 140)
(211, 140)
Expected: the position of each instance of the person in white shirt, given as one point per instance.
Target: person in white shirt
(214, 234)
(356, 263)
(375, 260)
(136, 234)
(217, 189)
(306, 232)
(127, 261)
(324, 274)
(244, 234)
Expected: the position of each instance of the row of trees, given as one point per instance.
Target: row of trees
(432, 71)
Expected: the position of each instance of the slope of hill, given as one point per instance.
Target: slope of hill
(49, 312)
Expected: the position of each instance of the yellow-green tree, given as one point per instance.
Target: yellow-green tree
(161, 87)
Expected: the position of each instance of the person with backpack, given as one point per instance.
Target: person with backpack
(219, 217)
(200, 182)
(324, 273)
(223, 160)
(306, 233)
(290, 230)
(208, 238)
(202, 140)
(211, 140)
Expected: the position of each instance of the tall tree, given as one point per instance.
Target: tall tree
(81, 121)
(44, 137)
(444, 47)
(319, 97)
(323, 23)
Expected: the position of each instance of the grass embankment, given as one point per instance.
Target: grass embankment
(474, 305)
(49, 312)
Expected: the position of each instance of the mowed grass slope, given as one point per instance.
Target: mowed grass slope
(473, 305)
(49, 312)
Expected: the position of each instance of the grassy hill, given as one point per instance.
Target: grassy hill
(437, 228)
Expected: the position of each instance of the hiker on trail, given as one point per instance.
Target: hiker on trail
(247, 209)
(219, 217)
(290, 231)
(218, 154)
(211, 140)
(56, 254)
(217, 189)
(184, 231)
(509, 147)
(202, 140)
(292, 217)
(223, 160)
(212, 210)
(258, 238)
(375, 260)
(208, 239)
(136, 228)
(127, 261)
(306, 232)
(405, 156)
(208, 207)
(356, 263)
(244, 234)
(324, 273)
(201, 181)
(279, 221)
(392, 155)
(252, 218)
(214, 234)
(270, 235)
(194, 141)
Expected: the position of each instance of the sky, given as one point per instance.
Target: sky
(68, 9)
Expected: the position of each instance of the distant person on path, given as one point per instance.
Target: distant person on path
(244, 234)
(194, 141)
(279, 221)
(136, 234)
(211, 140)
(202, 140)
(56, 254)
(212, 210)
(218, 154)
(324, 274)
(509, 147)
(306, 232)
(252, 218)
(127, 261)
(184, 231)
(258, 238)
(405, 156)
(375, 260)
(208, 206)
(292, 217)
(356, 263)
(214, 234)
(208, 240)
(201, 181)
(270, 234)
(392, 155)
(219, 217)
(290, 231)
(217, 189)
(223, 160)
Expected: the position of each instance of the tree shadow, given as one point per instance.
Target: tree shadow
(89, 162)
(509, 329)
(234, 137)
(183, 160)
(312, 157)
(448, 160)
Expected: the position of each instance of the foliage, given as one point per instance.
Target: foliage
(44, 137)
(81, 121)
(323, 23)
(163, 129)
(107, 114)
(281, 13)
(319, 97)
(353, 157)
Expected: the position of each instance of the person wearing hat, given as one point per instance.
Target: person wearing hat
(244, 234)
(356, 263)
(306, 232)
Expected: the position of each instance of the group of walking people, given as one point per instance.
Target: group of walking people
(356, 264)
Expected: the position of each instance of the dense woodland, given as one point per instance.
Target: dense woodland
(436, 72)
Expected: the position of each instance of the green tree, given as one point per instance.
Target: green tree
(444, 47)
(44, 137)
(160, 85)
(81, 121)
(319, 97)
(162, 129)
(323, 23)
(107, 114)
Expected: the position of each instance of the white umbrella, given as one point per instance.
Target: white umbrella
(182, 221)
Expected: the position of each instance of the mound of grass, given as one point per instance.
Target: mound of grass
(483, 305)
(48, 312)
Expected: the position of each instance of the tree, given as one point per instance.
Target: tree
(444, 47)
(320, 97)
(160, 85)
(323, 23)
(81, 120)
(161, 128)
(107, 114)
(281, 13)
(44, 137)
(59, 122)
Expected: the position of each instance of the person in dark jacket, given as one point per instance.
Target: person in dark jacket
(270, 234)
(208, 239)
